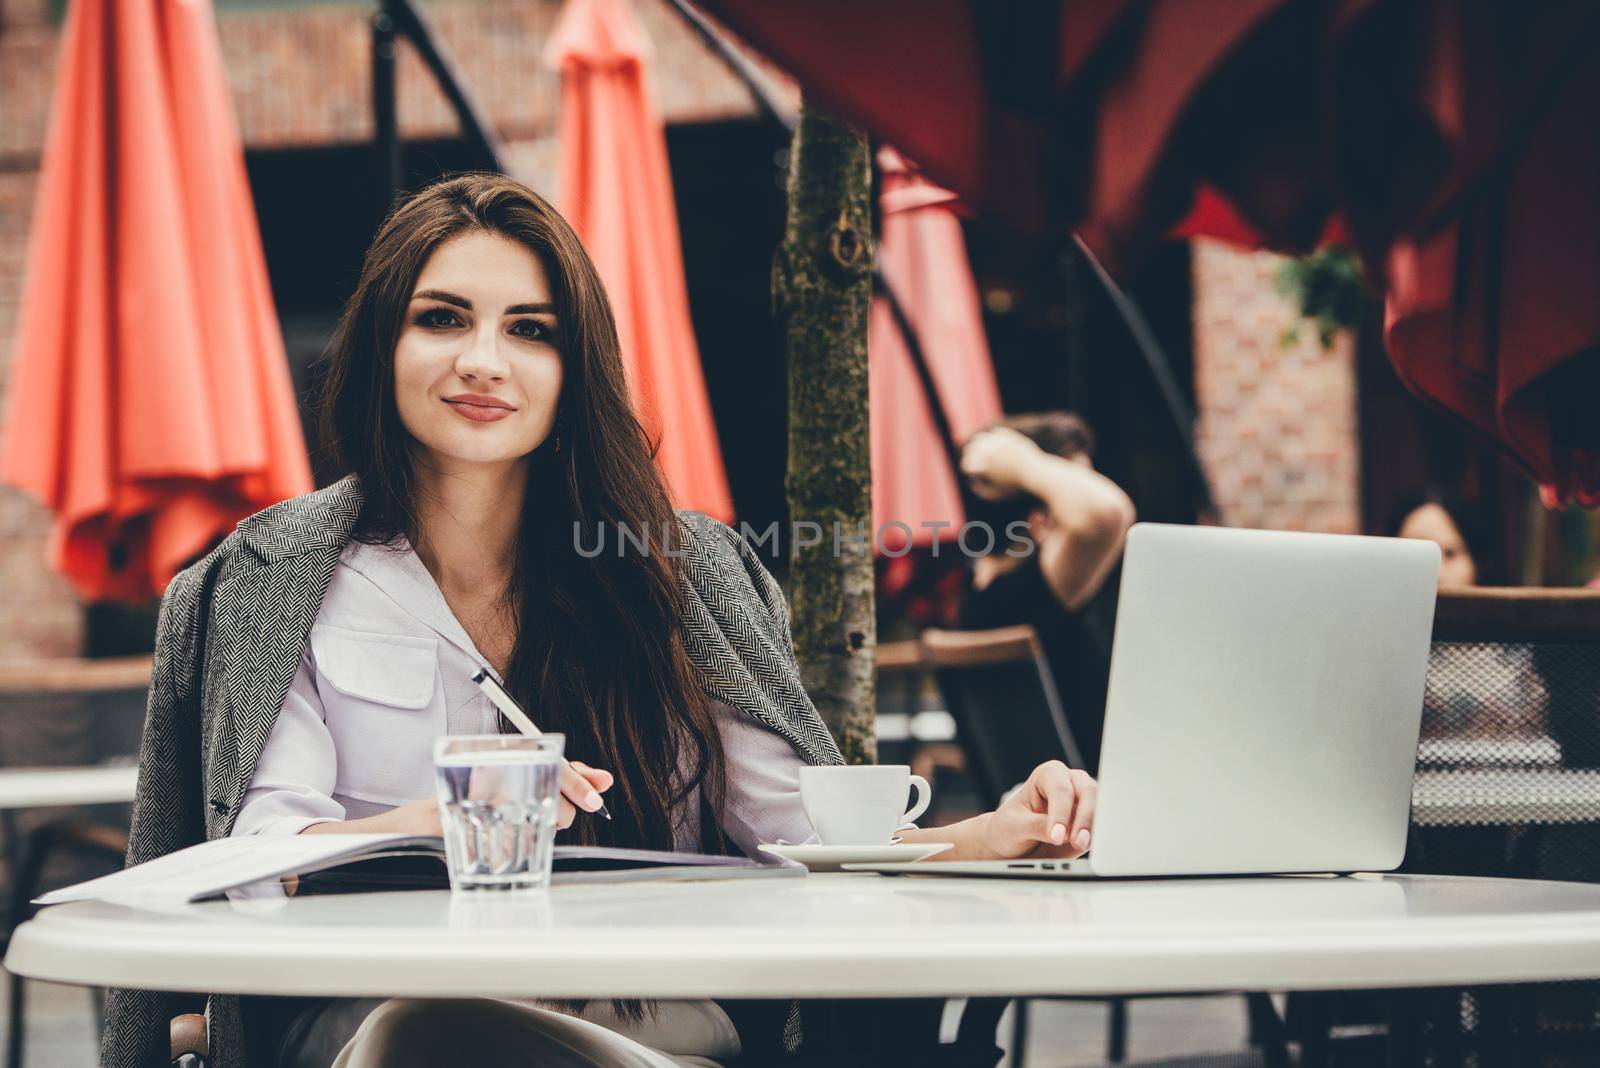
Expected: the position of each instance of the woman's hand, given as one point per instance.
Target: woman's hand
(578, 781)
(1050, 815)
(581, 784)
(413, 817)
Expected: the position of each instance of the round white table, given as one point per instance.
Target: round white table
(840, 936)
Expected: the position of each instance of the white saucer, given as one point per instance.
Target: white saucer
(828, 858)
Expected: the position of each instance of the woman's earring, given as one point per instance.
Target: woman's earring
(558, 441)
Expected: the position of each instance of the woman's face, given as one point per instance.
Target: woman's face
(1430, 522)
(477, 369)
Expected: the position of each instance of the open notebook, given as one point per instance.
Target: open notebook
(346, 862)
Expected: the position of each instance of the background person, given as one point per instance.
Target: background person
(1036, 469)
(476, 394)
(1463, 536)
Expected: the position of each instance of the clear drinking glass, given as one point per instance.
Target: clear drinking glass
(497, 803)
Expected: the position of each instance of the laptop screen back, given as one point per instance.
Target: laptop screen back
(1264, 702)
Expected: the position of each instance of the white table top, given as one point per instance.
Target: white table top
(1502, 796)
(43, 787)
(843, 936)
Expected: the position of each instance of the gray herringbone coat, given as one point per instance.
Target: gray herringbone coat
(229, 638)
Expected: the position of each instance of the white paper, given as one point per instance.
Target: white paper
(212, 868)
(209, 868)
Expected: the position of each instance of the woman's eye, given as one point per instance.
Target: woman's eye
(532, 330)
(437, 318)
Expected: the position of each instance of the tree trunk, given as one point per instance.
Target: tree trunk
(822, 289)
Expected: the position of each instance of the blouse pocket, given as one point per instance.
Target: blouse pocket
(378, 701)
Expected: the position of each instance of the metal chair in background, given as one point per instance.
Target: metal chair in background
(998, 687)
(76, 723)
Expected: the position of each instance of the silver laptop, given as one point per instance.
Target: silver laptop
(1263, 709)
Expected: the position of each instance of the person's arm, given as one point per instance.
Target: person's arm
(762, 804)
(1088, 515)
(421, 817)
(292, 789)
(167, 811)
(292, 786)
(1051, 816)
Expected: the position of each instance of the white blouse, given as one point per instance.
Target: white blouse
(388, 668)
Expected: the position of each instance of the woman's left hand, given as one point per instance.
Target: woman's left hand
(1050, 815)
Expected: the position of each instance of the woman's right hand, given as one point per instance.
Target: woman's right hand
(581, 787)
(413, 817)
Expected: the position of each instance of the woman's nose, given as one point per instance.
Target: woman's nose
(482, 358)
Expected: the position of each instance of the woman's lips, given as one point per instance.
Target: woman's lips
(478, 413)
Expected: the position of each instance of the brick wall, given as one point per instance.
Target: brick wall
(1277, 427)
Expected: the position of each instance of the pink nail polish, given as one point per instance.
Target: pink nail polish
(1083, 839)
(1058, 833)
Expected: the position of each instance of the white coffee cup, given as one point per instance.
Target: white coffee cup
(862, 804)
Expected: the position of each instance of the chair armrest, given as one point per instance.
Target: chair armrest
(189, 1036)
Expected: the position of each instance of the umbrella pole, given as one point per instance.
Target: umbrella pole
(1144, 339)
(393, 19)
(385, 117)
(470, 112)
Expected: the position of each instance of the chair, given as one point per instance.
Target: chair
(1507, 784)
(88, 712)
(1009, 719)
(998, 688)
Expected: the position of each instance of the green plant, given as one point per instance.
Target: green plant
(1327, 287)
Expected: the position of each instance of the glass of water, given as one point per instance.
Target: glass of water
(497, 803)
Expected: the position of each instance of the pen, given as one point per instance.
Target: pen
(503, 701)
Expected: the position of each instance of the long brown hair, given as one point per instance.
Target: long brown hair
(599, 654)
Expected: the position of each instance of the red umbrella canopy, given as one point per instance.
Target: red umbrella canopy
(151, 406)
(924, 258)
(1406, 120)
(616, 191)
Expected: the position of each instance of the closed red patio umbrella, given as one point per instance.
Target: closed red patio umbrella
(923, 256)
(150, 400)
(616, 191)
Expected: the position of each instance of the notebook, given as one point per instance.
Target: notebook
(347, 862)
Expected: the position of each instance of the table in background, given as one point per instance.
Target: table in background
(103, 701)
(52, 787)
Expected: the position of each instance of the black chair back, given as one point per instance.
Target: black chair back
(998, 688)
(1508, 770)
(1508, 784)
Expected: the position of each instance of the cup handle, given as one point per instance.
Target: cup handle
(924, 795)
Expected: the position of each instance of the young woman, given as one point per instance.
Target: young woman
(475, 394)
